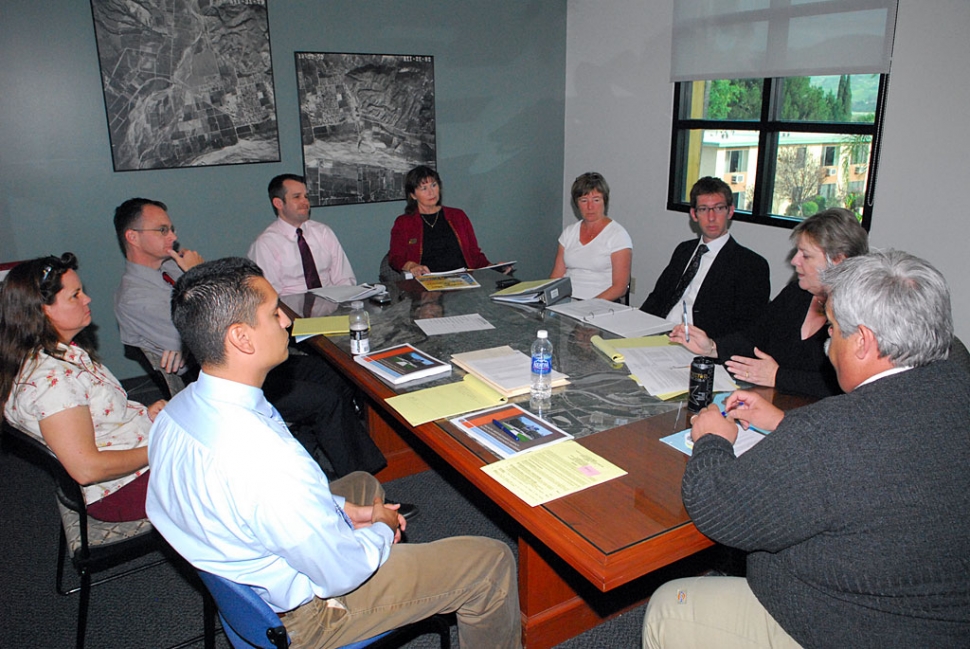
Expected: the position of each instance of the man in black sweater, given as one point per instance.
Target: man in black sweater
(854, 509)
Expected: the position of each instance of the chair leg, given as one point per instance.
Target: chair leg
(444, 630)
(82, 608)
(61, 560)
(208, 619)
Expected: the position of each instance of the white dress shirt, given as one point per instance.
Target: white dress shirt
(236, 495)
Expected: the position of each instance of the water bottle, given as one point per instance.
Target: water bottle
(541, 367)
(359, 329)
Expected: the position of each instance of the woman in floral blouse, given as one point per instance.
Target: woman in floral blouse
(53, 387)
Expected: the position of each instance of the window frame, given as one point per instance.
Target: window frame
(769, 130)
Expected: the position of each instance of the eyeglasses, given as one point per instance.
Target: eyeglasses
(162, 230)
(704, 209)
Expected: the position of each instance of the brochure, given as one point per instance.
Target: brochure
(447, 282)
(402, 363)
(509, 430)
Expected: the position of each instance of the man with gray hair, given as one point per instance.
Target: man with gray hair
(854, 509)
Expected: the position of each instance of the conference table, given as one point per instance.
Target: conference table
(584, 557)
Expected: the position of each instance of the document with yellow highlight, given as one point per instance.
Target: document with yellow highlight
(557, 470)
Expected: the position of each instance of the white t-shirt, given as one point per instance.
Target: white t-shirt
(590, 267)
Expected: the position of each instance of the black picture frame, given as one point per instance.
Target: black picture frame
(186, 85)
(365, 121)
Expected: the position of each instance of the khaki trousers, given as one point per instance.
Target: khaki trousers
(472, 576)
(705, 612)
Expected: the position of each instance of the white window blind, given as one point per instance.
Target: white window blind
(744, 39)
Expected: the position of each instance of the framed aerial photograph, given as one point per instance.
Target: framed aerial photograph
(365, 120)
(187, 83)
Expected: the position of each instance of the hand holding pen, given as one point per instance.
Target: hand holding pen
(750, 408)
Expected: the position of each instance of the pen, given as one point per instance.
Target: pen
(686, 329)
(505, 429)
(725, 412)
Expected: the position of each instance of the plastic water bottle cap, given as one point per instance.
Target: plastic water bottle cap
(542, 333)
(356, 304)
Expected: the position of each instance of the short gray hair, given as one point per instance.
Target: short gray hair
(903, 299)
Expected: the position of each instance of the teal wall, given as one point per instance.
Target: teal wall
(499, 85)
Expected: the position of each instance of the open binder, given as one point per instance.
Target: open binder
(538, 292)
(626, 321)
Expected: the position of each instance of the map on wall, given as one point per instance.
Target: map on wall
(187, 82)
(365, 121)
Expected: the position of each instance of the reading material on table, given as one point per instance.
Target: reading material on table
(349, 293)
(402, 363)
(539, 291)
(614, 348)
(453, 324)
(506, 370)
(682, 442)
(447, 282)
(326, 325)
(664, 371)
(509, 430)
(421, 406)
(623, 320)
(552, 472)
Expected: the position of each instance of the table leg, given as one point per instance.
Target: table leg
(402, 460)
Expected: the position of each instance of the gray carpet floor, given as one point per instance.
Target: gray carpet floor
(162, 606)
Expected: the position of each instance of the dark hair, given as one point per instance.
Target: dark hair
(128, 214)
(413, 180)
(24, 327)
(210, 298)
(836, 231)
(276, 188)
(591, 182)
(711, 185)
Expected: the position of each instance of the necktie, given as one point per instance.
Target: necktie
(168, 278)
(310, 274)
(686, 278)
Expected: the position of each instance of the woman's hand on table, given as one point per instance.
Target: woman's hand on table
(759, 371)
(415, 269)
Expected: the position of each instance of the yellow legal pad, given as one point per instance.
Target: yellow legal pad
(326, 325)
(421, 406)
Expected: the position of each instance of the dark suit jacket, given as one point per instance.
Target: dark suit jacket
(734, 292)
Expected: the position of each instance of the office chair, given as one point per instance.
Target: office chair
(388, 275)
(149, 360)
(92, 545)
(248, 621)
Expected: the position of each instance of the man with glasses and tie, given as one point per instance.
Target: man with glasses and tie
(295, 253)
(716, 283)
(305, 389)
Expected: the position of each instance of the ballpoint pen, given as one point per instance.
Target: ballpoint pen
(686, 328)
(505, 429)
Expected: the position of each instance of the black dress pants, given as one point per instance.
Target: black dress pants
(311, 395)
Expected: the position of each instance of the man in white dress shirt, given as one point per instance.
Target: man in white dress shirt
(237, 496)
